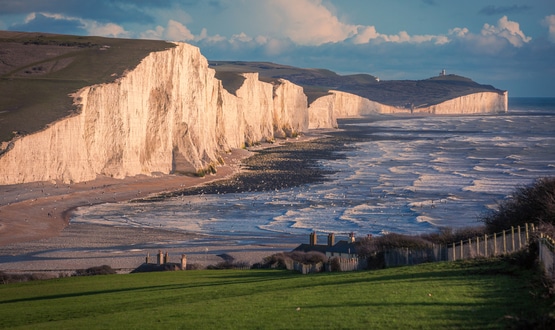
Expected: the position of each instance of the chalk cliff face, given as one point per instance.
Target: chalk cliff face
(170, 114)
(485, 102)
(324, 111)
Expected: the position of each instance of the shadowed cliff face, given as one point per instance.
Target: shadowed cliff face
(171, 114)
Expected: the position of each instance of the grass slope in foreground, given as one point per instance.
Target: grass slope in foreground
(460, 295)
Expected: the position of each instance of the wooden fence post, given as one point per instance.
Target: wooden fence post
(513, 238)
(486, 245)
(527, 234)
(504, 243)
(454, 252)
(462, 250)
(478, 246)
(519, 239)
(494, 244)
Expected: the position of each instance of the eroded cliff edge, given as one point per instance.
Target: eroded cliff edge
(171, 114)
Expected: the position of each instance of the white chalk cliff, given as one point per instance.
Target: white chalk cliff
(170, 114)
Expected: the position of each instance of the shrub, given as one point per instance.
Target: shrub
(284, 260)
(529, 204)
(392, 241)
(194, 266)
(6, 278)
(335, 266)
(98, 270)
(230, 265)
(449, 235)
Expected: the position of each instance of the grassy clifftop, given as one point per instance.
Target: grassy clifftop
(39, 70)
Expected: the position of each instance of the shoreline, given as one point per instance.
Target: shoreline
(48, 206)
(36, 234)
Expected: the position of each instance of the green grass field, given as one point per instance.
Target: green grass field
(461, 295)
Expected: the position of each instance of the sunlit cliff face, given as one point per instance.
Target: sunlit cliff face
(171, 114)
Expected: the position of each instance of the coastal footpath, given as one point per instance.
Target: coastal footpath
(172, 115)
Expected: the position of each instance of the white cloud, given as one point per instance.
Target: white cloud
(30, 17)
(309, 22)
(492, 38)
(274, 47)
(91, 26)
(157, 33)
(367, 34)
(506, 29)
(177, 32)
(108, 30)
(549, 21)
(312, 23)
(174, 31)
(203, 36)
(459, 32)
(241, 37)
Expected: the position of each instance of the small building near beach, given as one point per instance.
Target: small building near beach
(343, 249)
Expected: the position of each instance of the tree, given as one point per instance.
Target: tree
(528, 204)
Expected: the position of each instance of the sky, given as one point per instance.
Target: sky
(505, 43)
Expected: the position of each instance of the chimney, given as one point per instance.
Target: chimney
(160, 258)
(313, 239)
(183, 262)
(331, 239)
(351, 237)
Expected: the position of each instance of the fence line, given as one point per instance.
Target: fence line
(547, 255)
(349, 264)
(343, 265)
(406, 256)
(507, 241)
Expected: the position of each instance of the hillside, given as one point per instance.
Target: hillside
(39, 70)
(402, 93)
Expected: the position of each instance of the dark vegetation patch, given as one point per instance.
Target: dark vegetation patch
(527, 204)
(284, 259)
(6, 278)
(38, 71)
(97, 270)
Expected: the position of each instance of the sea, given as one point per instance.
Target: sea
(411, 175)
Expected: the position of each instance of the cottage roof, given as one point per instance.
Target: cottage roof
(343, 247)
(308, 247)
